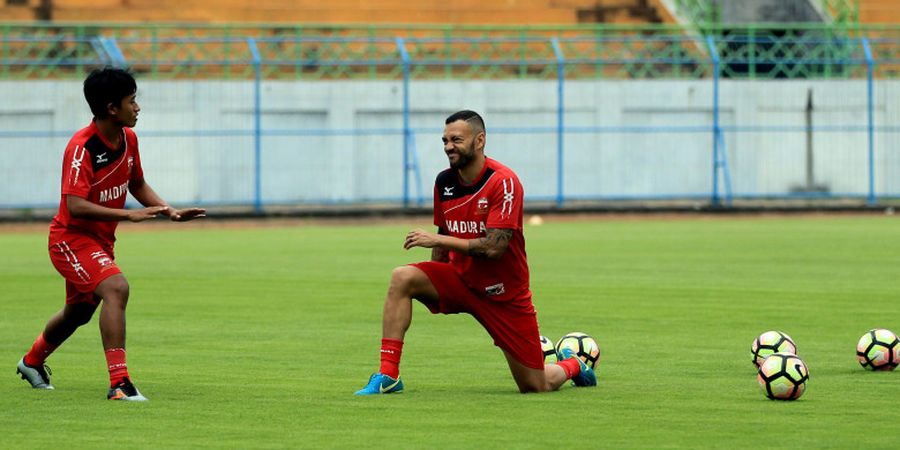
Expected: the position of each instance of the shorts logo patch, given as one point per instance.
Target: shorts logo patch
(103, 259)
(495, 289)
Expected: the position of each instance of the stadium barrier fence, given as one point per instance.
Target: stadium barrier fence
(575, 147)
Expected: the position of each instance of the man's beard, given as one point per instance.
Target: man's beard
(463, 159)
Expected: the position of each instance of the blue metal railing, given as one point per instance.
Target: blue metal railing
(707, 52)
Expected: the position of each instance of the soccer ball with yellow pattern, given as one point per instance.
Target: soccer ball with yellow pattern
(771, 342)
(549, 350)
(783, 376)
(585, 347)
(878, 349)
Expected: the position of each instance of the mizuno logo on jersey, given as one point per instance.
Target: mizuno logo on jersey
(465, 226)
(448, 191)
(101, 158)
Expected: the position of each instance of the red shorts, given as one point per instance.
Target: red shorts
(84, 263)
(513, 324)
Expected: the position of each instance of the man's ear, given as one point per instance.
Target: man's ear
(111, 109)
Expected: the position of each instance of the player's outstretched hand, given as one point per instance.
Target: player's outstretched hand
(183, 215)
(420, 238)
(140, 215)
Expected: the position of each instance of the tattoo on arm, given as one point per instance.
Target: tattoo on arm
(492, 245)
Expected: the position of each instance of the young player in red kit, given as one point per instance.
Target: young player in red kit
(101, 165)
(478, 266)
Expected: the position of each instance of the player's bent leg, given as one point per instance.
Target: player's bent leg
(114, 291)
(555, 375)
(407, 282)
(529, 379)
(61, 326)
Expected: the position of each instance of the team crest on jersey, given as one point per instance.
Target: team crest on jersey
(130, 162)
(482, 206)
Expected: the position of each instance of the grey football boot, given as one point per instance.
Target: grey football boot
(39, 377)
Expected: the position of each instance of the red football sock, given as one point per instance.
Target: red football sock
(39, 352)
(571, 367)
(118, 370)
(390, 357)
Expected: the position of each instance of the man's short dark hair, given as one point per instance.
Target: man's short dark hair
(471, 117)
(105, 86)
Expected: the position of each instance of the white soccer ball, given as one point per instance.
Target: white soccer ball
(878, 349)
(771, 342)
(783, 376)
(585, 347)
(549, 350)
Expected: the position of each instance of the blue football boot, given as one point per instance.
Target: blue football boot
(380, 383)
(586, 376)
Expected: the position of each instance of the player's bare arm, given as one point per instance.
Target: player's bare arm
(491, 245)
(440, 254)
(83, 209)
(148, 197)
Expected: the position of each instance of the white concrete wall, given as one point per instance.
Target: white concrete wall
(210, 159)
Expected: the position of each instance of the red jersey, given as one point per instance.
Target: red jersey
(93, 170)
(494, 200)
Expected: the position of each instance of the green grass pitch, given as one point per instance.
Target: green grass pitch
(258, 337)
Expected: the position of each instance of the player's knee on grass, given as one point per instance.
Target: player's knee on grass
(531, 386)
(528, 379)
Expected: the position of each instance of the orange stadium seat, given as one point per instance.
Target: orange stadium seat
(505, 12)
(21, 10)
(879, 11)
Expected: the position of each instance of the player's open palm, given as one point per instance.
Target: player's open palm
(183, 215)
(140, 215)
